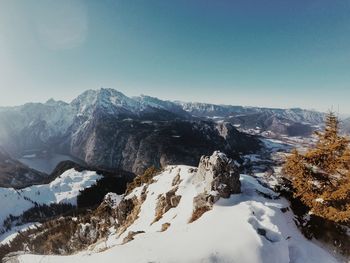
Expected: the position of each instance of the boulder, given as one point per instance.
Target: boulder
(219, 174)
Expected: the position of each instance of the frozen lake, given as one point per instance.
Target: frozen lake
(46, 164)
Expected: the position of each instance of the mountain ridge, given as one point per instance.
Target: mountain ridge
(105, 127)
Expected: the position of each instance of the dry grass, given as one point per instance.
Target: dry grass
(198, 213)
(145, 178)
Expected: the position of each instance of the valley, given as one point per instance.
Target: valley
(102, 140)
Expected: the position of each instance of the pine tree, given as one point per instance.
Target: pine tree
(321, 176)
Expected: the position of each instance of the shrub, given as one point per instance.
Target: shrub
(145, 178)
(93, 196)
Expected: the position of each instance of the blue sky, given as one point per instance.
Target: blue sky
(275, 53)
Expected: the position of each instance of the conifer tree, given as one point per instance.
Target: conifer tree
(321, 176)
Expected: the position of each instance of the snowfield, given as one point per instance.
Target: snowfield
(246, 228)
(64, 189)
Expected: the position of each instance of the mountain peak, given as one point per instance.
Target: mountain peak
(111, 100)
(53, 102)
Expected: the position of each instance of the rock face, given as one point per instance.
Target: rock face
(220, 175)
(123, 210)
(135, 145)
(166, 202)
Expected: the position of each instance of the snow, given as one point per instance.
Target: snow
(113, 199)
(319, 200)
(29, 156)
(10, 235)
(245, 228)
(64, 189)
(276, 145)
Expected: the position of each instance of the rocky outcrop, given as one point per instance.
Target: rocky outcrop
(131, 215)
(166, 202)
(123, 210)
(220, 175)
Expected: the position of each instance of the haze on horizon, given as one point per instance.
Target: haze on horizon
(245, 52)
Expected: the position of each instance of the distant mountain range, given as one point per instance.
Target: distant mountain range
(107, 129)
(293, 122)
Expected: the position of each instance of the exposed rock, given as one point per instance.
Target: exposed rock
(203, 200)
(197, 213)
(131, 215)
(166, 202)
(123, 209)
(219, 174)
(131, 235)
(176, 180)
(165, 226)
(221, 179)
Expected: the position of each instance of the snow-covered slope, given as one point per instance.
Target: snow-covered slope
(248, 227)
(64, 189)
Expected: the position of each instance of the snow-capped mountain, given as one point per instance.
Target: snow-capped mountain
(212, 110)
(116, 103)
(292, 122)
(108, 129)
(208, 213)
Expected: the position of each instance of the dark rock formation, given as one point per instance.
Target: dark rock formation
(123, 210)
(135, 145)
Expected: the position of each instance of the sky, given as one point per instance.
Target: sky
(273, 53)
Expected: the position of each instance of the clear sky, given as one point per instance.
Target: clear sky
(276, 53)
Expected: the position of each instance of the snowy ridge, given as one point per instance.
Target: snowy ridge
(247, 228)
(64, 189)
(213, 110)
